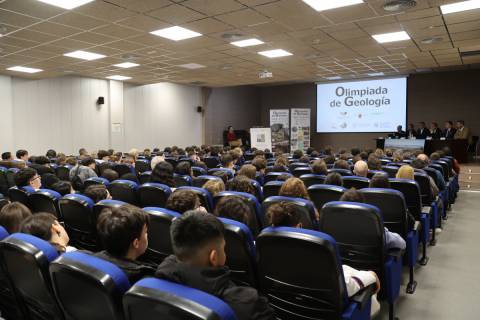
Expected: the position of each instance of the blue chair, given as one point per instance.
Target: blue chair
(142, 165)
(124, 190)
(106, 204)
(88, 287)
(153, 194)
(152, 298)
(123, 168)
(300, 171)
(355, 182)
(198, 171)
(359, 232)
(427, 197)
(45, 200)
(323, 193)
(240, 252)
(63, 172)
(272, 188)
(19, 195)
(318, 290)
(293, 165)
(371, 173)
(145, 177)
(206, 199)
(26, 260)
(201, 180)
(304, 207)
(80, 222)
(310, 179)
(390, 170)
(258, 189)
(159, 242)
(342, 172)
(211, 162)
(272, 176)
(229, 172)
(182, 180)
(95, 180)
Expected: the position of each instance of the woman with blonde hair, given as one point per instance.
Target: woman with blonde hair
(405, 172)
(214, 186)
(294, 187)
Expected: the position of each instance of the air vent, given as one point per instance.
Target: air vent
(469, 53)
(399, 5)
(3, 29)
(197, 83)
(431, 40)
(130, 56)
(232, 36)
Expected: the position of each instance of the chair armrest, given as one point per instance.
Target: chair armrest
(396, 253)
(363, 296)
(427, 210)
(417, 226)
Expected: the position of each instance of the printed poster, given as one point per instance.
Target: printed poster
(280, 129)
(300, 129)
(261, 138)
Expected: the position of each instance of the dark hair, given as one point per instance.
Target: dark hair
(352, 195)
(163, 173)
(461, 121)
(48, 180)
(23, 176)
(248, 170)
(184, 168)
(183, 200)
(341, 164)
(131, 177)
(297, 154)
(310, 150)
(39, 225)
(283, 214)
(51, 153)
(379, 180)
(62, 187)
(330, 159)
(319, 167)
(334, 178)
(87, 161)
(221, 174)
(233, 207)
(110, 174)
(193, 231)
(241, 184)
(418, 163)
(226, 159)
(354, 151)
(6, 155)
(96, 192)
(12, 215)
(81, 151)
(119, 227)
(435, 156)
(374, 163)
(20, 153)
(102, 154)
(259, 163)
(42, 160)
(449, 122)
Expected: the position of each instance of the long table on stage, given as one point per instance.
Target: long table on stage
(459, 147)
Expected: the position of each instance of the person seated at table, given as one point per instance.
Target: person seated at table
(435, 131)
(449, 131)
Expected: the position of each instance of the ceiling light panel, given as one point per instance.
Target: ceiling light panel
(192, 66)
(66, 4)
(391, 37)
(119, 78)
(176, 33)
(322, 5)
(24, 69)
(126, 65)
(247, 42)
(275, 53)
(84, 55)
(460, 6)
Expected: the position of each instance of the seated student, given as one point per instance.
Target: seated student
(241, 184)
(222, 175)
(163, 173)
(63, 187)
(12, 215)
(45, 226)
(227, 161)
(374, 162)
(260, 164)
(199, 262)
(84, 170)
(42, 165)
(294, 187)
(334, 179)
(341, 164)
(392, 240)
(110, 174)
(7, 156)
(214, 186)
(283, 214)
(319, 167)
(440, 178)
(379, 180)
(123, 231)
(103, 156)
(48, 180)
(184, 168)
(420, 164)
(22, 156)
(131, 177)
(283, 177)
(360, 169)
(97, 192)
(248, 170)
(183, 200)
(233, 207)
(28, 177)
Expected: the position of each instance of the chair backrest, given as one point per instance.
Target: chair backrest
(391, 170)
(255, 215)
(293, 165)
(172, 161)
(355, 182)
(152, 298)
(240, 252)
(199, 171)
(392, 206)
(122, 168)
(95, 180)
(272, 188)
(18, 195)
(124, 190)
(104, 204)
(63, 172)
(342, 172)
(371, 173)
(423, 181)
(433, 173)
(323, 193)
(211, 162)
(4, 185)
(411, 192)
(310, 179)
(153, 194)
(3, 233)
(359, 232)
(300, 171)
(316, 290)
(230, 173)
(159, 242)
(98, 286)
(443, 169)
(142, 165)
(206, 199)
(305, 207)
(200, 180)
(26, 259)
(80, 222)
(272, 176)
(144, 177)
(45, 200)
(182, 180)
(258, 189)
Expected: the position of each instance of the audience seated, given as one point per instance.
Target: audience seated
(183, 200)
(123, 231)
(374, 162)
(48, 180)
(184, 168)
(163, 173)
(28, 177)
(199, 262)
(241, 184)
(341, 164)
(12, 215)
(7, 156)
(260, 164)
(319, 167)
(84, 170)
(233, 207)
(227, 161)
(97, 192)
(22, 156)
(334, 179)
(110, 175)
(379, 180)
(360, 169)
(283, 214)
(214, 186)
(63, 187)
(248, 170)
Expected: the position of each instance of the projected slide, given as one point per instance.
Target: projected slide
(362, 106)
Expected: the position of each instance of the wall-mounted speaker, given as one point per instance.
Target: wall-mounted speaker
(199, 109)
(101, 100)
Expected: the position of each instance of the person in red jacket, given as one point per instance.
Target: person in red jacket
(232, 139)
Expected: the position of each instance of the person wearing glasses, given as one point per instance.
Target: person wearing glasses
(28, 179)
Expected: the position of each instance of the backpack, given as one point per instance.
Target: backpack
(77, 183)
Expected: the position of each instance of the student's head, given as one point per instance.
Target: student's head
(355, 150)
(230, 129)
(214, 186)
(329, 159)
(448, 124)
(103, 155)
(22, 155)
(248, 170)
(71, 161)
(374, 163)
(260, 164)
(334, 179)
(183, 200)
(233, 207)
(281, 161)
(42, 160)
(184, 168)
(97, 192)
(294, 187)
(51, 154)
(130, 176)
(62, 187)
(28, 177)
(163, 173)
(352, 195)
(422, 124)
(399, 128)
(460, 124)
(48, 180)
(45, 226)
(341, 164)
(405, 172)
(7, 156)
(319, 167)
(110, 174)
(418, 164)
(88, 162)
(12, 216)
(241, 184)
(360, 169)
(227, 161)
(82, 152)
(198, 239)
(297, 154)
(283, 214)
(379, 180)
(423, 157)
(61, 160)
(123, 231)
(435, 156)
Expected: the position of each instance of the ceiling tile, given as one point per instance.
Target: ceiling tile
(104, 11)
(243, 18)
(80, 21)
(16, 19)
(213, 7)
(141, 6)
(176, 14)
(32, 8)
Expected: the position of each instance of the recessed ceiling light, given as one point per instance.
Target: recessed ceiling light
(85, 55)
(321, 5)
(275, 53)
(247, 42)
(192, 66)
(391, 37)
(24, 69)
(333, 78)
(119, 78)
(376, 74)
(66, 4)
(460, 6)
(126, 65)
(176, 33)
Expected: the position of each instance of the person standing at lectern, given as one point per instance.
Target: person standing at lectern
(232, 138)
(449, 131)
(435, 131)
(423, 132)
(462, 131)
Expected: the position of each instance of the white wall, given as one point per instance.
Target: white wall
(162, 114)
(6, 109)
